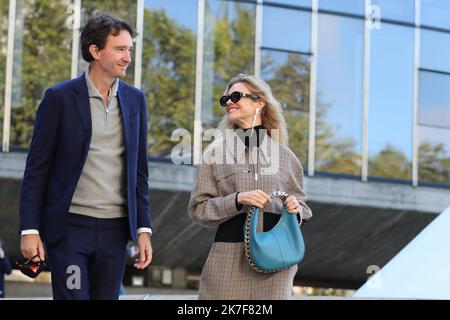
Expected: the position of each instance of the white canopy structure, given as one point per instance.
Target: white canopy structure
(421, 270)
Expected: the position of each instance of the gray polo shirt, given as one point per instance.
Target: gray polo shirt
(101, 190)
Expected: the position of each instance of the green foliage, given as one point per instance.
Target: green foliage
(41, 60)
(231, 46)
(168, 77)
(391, 163)
(4, 5)
(434, 162)
(290, 85)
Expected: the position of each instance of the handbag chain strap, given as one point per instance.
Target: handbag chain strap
(280, 194)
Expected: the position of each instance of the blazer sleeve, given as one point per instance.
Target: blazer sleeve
(39, 160)
(142, 190)
(206, 207)
(295, 188)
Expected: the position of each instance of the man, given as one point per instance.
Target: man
(5, 268)
(85, 188)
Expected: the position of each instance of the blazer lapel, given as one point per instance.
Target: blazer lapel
(83, 105)
(125, 110)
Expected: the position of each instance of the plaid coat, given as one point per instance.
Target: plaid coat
(227, 168)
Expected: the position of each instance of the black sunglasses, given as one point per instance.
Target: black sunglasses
(235, 97)
(31, 268)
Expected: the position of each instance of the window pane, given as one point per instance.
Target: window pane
(339, 94)
(400, 10)
(391, 98)
(434, 132)
(229, 49)
(300, 3)
(168, 69)
(42, 57)
(434, 154)
(286, 29)
(123, 9)
(435, 13)
(346, 6)
(288, 76)
(435, 50)
(434, 100)
(4, 7)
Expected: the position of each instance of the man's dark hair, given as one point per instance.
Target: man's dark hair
(96, 32)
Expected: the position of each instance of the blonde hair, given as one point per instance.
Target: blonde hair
(271, 115)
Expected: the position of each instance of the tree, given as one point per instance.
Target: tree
(434, 162)
(41, 60)
(168, 70)
(4, 8)
(229, 50)
(168, 78)
(391, 163)
(290, 85)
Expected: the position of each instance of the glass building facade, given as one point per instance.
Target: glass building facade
(364, 84)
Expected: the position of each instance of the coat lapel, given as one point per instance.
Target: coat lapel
(82, 104)
(125, 110)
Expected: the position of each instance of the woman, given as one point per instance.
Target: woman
(224, 191)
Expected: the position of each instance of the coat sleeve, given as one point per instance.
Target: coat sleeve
(295, 187)
(142, 189)
(206, 207)
(39, 160)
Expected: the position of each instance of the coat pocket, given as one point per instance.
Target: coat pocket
(231, 174)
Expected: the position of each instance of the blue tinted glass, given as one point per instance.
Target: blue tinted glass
(434, 100)
(301, 3)
(286, 29)
(346, 6)
(229, 49)
(400, 10)
(168, 69)
(434, 127)
(391, 99)
(288, 76)
(435, 50)
(41, 59)
(434, 154)
(339, 94)
(184, 11)
(435, 13)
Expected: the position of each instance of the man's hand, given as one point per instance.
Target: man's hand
(145, 251)
(31, 245)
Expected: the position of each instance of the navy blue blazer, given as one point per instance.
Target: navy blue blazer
(59, 147)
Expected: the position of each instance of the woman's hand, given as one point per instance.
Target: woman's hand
(255, 198)
(292, 205)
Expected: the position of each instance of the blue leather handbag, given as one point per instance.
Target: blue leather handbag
(277, 249)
